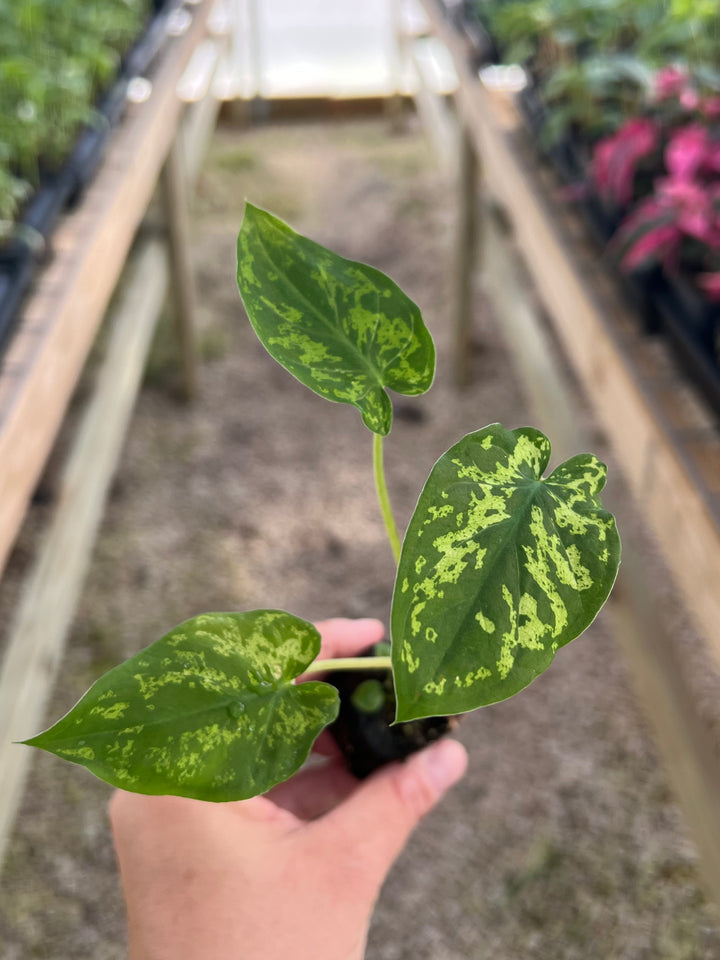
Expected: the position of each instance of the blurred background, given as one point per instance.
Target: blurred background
(543, 179)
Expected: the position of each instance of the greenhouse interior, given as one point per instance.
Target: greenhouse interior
(246, 633)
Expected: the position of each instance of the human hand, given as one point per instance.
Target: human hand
(294, 874)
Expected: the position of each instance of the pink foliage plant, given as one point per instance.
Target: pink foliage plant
(616, 158)
(679, 224)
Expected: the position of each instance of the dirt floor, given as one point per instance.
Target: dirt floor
(563, 842)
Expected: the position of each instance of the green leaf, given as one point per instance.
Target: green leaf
(368, 696)
(209, 711)
(340, 327)
(499, 569)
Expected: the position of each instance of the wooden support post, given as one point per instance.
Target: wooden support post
(175, 203)
(394, 103)
(44, 615)
(436, 115)
(465, 253)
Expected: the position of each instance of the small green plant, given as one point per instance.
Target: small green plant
(55, 61)
(498, 569)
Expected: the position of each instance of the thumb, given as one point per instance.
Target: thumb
(373, 825)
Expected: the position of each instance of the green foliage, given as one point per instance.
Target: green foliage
(595, 94)
(593, 61)
(209, 711)
(499, 569)
(340, 327)
(500, 566)
(55, 58)
(369, 696)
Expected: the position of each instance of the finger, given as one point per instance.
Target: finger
(133, 814)
(345, 638)
(376, 820)
(326, 745)
(315, 791)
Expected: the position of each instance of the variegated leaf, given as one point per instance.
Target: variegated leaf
(342, 328)
(208, 711)
(499, 569)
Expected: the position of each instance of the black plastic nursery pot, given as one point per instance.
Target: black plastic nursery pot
(21, 255)
(565, 156)
(692, 325)
(531, 109)
(38, 217)
(366, 738)
(570, 160)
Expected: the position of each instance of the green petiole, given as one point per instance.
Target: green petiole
(350, 663)
(383, 498)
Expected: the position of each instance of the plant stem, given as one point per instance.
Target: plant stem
(383, 497)
(350, 663)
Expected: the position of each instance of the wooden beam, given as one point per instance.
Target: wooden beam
(44, 615)
(464, 258)
(175, 204)
(42, 365)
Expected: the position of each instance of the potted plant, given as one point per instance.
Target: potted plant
(499, 567)
(678, 228)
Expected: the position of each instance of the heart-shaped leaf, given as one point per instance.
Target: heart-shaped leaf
(499, 569)
(209, 711)
(340, 327)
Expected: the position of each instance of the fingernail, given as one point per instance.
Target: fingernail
(443, 763)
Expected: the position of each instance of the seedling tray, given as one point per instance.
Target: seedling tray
(31, 242)
(14, 283)
(692, 325)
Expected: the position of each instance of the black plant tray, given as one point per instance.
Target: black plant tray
(692, 325)
(63, 187)
(532, 112)
(641, 289)
(572, 167)
(14, 283)
(30, 243)
(90, 147)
